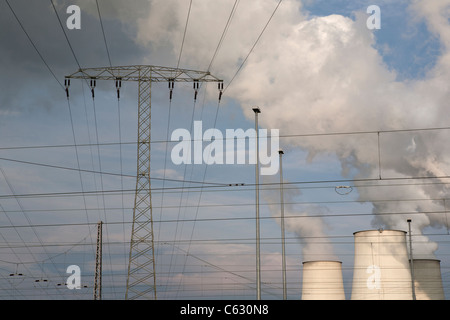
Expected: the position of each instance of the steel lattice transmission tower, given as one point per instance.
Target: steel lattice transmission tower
(141, 280)
(98, 263)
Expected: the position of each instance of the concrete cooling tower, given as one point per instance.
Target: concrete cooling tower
(428, 279)
(322, 280)
(381, 266)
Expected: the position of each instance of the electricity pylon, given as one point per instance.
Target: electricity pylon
(98, 263)
(141, 280)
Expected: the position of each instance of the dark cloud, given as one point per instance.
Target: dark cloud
(24, 72)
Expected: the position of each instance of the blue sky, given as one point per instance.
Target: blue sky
(405, 43)
(205, 236)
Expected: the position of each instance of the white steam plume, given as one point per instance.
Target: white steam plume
(322, 75)
(305, 221)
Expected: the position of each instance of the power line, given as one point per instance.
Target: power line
(182, 194)
(184, 34)
(281, 136)
(25, 214)
(294, 240)
(50, 257)
(34, 46)
(254, 45)
(227, 25)
(103, 172)
(245, 204)
(70, 145)
(101, 175)
(118, 85)
(201, 189)
(20, 237)
(65, 35)
(169, 116)
(231, 219)
(69, 106)
(77, 157)
(103, 32)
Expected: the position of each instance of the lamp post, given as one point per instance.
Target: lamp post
(283, 244)
(413, 287)
(257, 111)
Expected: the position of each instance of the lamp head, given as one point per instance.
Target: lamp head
(256, 110)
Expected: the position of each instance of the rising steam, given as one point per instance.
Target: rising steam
(322, 75)
(305, 221)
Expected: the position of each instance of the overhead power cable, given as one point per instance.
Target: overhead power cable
(340, 239)
(184, 34)
(65, 35)
(26, 216)
(202, 189)
(230, 219)
(281, 136)
(224, 32)
(34, 46)
(103, 32)
(169, 118)
(254, 45)
(107, 173)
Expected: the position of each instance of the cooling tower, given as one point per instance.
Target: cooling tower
(322, 280)
(428, 279)
(381, 268)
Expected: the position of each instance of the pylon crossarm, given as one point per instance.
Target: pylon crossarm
(144, 73)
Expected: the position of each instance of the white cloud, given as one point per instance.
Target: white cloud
(320, 75)
(166, 21)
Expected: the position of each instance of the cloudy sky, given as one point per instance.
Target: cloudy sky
(362, 116)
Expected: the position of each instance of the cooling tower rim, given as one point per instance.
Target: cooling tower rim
(380, 231)
(425, 259)
(311, 261)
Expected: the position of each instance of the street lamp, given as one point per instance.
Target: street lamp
(411, 263)
(283, 244)
(257, 111)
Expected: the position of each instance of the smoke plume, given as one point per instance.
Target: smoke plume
(303, 220)
(322, 75)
